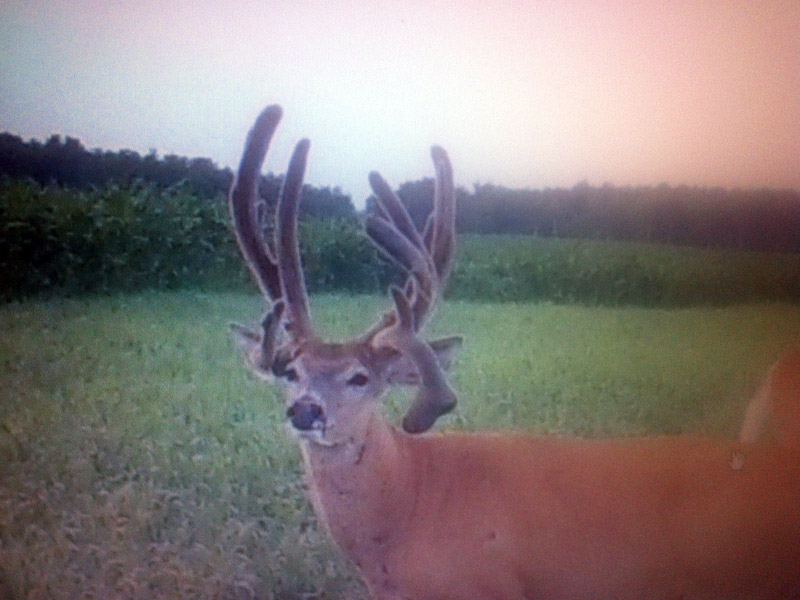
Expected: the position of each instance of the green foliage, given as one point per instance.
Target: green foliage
(760, 219)
(69, 164)
(108, 239)
(139, 460)
(522, 268)
(61, 241)
(337, 255)
(754, 219)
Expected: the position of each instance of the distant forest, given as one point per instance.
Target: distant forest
(761, 219)
(68, 164)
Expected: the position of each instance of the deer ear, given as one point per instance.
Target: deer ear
(245, 337)
(402, 371)
(248, 341)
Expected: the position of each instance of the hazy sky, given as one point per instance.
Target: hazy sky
(521, 93)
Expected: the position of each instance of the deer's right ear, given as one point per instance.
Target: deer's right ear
(246, 338)
(248, 341)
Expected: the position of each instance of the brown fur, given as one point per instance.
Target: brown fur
(785, 399)
(508, 516)
(778, 401)
(466, 516)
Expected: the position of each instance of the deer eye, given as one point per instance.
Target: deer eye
(290, 375)
(358, 380)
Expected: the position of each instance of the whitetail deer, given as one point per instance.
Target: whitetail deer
(496, 516)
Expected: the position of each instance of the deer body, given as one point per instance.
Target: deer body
(511, 516)
(502, 516)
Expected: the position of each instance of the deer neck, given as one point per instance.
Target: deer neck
(354, 486)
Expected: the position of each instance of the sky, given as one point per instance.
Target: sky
(521, 93)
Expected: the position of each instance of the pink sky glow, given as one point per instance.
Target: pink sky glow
(521, 93)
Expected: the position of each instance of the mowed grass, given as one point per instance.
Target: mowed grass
(138, 459)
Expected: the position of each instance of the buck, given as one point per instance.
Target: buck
(499, 516)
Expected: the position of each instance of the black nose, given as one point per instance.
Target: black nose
(304, 414)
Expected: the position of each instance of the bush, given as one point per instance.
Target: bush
(62, 241)
(338, 256)
(112, 238)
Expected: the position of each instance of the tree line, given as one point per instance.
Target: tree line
(67, 163)
(758, 219)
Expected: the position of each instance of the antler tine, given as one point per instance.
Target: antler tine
(438, 234)
(415, 261)
(290, 269)
(244, 208)
(391, 229)
(434, 396)
(444, 216)
(398, 247)
(395, 210)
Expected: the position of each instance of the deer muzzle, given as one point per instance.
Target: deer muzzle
(306, 414)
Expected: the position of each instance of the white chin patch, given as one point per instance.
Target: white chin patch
(315, 436)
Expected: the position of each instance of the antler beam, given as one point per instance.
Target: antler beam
(244, 207)
(294, 287)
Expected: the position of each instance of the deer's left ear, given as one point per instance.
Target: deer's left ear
(402, 371)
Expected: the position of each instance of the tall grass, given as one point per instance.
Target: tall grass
(139, 460)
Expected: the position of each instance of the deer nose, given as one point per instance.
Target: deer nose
(305, 414)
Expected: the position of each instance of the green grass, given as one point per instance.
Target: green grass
(139, 460)
(607, 273)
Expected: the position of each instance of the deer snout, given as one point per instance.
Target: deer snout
(306, 414)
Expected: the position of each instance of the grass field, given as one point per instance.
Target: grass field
(526, 268)
(139, 460)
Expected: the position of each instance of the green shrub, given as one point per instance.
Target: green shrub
(112, 238)
(337, 255)
(61, 241)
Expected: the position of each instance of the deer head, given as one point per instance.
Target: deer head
(332, 388)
